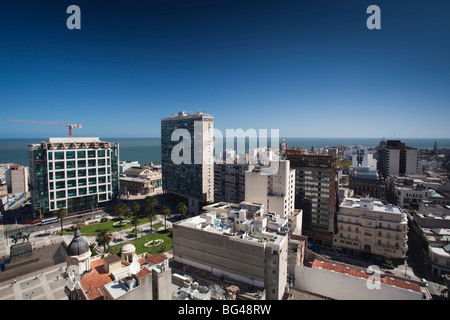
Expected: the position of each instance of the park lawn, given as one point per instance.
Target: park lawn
(165, 235)
(91, 229)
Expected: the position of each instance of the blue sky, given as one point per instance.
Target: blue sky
(308, 68)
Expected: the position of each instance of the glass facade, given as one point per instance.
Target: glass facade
(77, 180)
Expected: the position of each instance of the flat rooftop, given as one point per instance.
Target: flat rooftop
(370, 205)
(224, 226)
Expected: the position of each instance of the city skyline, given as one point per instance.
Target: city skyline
(308, 69)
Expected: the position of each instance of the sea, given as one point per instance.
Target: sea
(145, 150)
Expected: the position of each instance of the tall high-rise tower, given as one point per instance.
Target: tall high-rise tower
(187, 149)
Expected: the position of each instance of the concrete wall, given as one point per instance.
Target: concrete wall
(212, 251)
(344, 287)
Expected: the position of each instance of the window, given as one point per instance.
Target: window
(81, 154)
(59, 155)
(59, 165)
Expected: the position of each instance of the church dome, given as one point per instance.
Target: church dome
(78, 245)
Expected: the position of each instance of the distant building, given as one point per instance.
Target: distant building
(73, 173)
(229, 181)
(316, 193)
(431, 223)
(364, 179)
(276, 191)
(17, 179)
(397, 159)
(238, 241)
(193, 177)
(140, 181)
(368, 226)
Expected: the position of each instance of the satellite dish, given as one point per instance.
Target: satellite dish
(135, 267)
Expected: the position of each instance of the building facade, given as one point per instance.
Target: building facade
(251, 247)
(187, 157)
(140, 181)
(316, 193)
(365, 225)
(17, 179)
(397, 159)
(229, 181)
(276, 191)
(73, 173)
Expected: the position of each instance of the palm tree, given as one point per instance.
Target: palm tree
(135, 207)
(93, 248)
(165, 211)
(121, 211)
(136, 223)
(60, 214)
(150, 202)
(182, 209)
(103, 238)
(150, 215)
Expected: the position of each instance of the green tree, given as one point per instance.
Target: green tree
(93, 248)
(121, 211)
(150, 214)
(150, 202)
(166, 212)
(61, 214)
(182, 209)
(135, 221)
(103, 238)
(136, 208)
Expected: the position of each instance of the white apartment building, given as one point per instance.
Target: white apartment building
(365, 225)
(238, 241)
(276, 192)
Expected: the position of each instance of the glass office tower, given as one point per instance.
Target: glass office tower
(77, 174)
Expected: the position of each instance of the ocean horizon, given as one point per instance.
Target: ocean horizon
(145, 150)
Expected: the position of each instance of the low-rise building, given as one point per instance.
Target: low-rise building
(340, 281)
(147, 277)
(366, 225)
(431, 224)
(140, 181)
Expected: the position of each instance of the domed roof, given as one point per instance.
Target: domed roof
(128, 248)
(78, 245)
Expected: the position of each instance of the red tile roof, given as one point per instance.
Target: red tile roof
(144, 272)
(93, 281)
(154, 258)
(360, 273)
